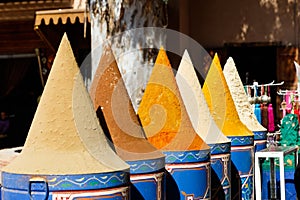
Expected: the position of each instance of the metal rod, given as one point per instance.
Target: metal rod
(40, 66)
(85, 18)
(267, 84)
(24, 55)
(272, 179)
(284, 92)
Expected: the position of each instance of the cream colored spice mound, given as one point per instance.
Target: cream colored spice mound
(239, 96)
(65, 136)
(194, 101)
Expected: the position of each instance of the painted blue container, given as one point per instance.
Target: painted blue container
(111, 186)
(242, 163)
(290, 191)
(260, 140)
(220, 171)
(7, 155)
(188, 175)
(147, 178)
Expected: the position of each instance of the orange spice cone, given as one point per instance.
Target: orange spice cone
(163, 114)
(168, 127)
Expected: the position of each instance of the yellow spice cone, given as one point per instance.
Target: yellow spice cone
(220, 102)
(110, 96)
(162, 112)
(65, 136)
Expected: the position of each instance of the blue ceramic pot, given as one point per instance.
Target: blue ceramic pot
(220, 171)
(188, 174)
(242, 163)
(113, 186)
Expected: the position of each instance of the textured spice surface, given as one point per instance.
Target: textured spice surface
(109, 94)
(65, 136)
(239, 97)
(163, 114)
(220, 102)
(194, 101)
